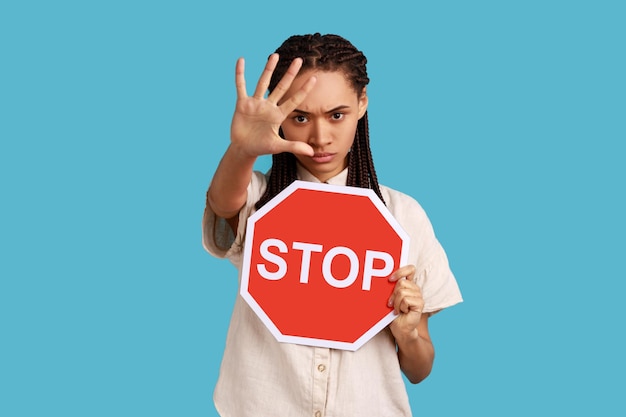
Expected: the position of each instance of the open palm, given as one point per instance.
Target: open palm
(256, 121)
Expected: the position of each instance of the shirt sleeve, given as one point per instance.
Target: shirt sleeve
(217, 236)
(439, 286)
(433, 274)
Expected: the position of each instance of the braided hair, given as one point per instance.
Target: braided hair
(325, 53)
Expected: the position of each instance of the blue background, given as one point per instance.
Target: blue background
(505, 119)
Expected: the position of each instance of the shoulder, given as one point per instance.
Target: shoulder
(402, 205)
(409, 213)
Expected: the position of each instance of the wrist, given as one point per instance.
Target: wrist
(409, 337)
(240, 154)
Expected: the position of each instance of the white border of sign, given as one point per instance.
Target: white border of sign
(245, 279)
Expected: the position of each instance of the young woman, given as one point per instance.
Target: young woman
(314, 123)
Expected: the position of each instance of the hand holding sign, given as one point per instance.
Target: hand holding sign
(406, 301)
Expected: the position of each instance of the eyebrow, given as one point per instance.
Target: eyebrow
(334, 110)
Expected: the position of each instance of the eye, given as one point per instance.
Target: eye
(300, 119)
(337, 116)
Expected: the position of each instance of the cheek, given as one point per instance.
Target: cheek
(349, 131)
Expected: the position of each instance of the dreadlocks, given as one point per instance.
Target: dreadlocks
(325, 53)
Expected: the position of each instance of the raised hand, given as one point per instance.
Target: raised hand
(255, 124)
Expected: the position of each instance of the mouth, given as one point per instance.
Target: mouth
(322, 157)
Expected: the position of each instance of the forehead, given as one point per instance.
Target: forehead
(331, 89)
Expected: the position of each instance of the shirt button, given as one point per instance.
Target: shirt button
(321, 368)
(318, 414)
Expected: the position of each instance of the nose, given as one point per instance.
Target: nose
(319, 134)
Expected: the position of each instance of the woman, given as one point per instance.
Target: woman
(314, 123)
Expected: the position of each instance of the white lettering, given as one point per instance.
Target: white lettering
(306, 249)
(368, 268)
(369, 271)
(354, 267)
(275, 259)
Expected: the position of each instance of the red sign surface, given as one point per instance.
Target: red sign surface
(317, 260)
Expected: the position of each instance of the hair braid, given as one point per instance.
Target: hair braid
(325, 53)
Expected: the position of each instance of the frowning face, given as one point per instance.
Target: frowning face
(326, 120)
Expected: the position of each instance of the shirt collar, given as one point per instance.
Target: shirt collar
(339, 179)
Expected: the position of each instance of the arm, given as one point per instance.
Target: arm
(254, 132)
(228, 190)
(416, 352)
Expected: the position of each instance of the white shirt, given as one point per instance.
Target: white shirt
(261, 377)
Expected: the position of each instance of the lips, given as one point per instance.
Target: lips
(322, 157)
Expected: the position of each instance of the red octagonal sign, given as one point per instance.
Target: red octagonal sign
(317, 260)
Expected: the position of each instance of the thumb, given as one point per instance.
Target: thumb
(299, 148)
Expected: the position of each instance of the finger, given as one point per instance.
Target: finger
(409, 304)
(407, 271)
(298, 148)
(405, 290)
(240, 79)
(285, 83)
(298, 97)
(266, 76)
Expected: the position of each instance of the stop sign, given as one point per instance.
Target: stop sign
(317, 259)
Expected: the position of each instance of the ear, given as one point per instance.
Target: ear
(363, 100)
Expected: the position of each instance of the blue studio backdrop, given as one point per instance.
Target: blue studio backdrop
(504, 119)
